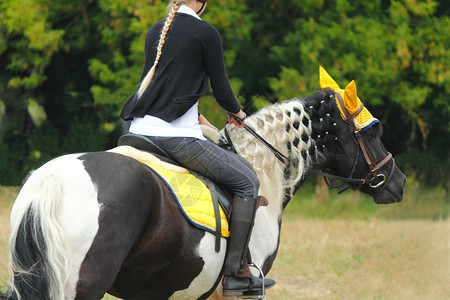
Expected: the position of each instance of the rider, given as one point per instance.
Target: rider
(181, 53)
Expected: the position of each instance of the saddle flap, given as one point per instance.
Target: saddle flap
(196, 199)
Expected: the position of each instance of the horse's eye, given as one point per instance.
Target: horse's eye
(371, 136)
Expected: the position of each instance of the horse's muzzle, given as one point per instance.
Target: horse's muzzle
(391, 190)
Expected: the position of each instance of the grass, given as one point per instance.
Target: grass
(363, 259)
(7, 196)
(345, 246)
(314, 200)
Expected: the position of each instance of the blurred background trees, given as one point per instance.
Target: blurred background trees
(67, 67)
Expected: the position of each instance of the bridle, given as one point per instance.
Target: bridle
(373, 179)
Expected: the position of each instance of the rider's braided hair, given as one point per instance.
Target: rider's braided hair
(173, 8)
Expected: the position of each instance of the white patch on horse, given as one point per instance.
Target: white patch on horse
(264, 238)
(79, 217)
(62, 194)
(211, 269)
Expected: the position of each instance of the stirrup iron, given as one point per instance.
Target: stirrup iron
(256, 296)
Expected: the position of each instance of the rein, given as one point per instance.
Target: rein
(277, 153)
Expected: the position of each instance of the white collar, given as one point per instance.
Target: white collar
(187, 10)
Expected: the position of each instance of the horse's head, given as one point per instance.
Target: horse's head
(356, 153)
(329, 130)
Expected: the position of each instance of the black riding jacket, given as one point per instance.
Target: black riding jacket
(192, 53)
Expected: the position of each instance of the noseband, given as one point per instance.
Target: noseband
(374, 179)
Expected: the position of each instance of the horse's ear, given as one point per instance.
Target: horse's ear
(327, 81)
(350, 98)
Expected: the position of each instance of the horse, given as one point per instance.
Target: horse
(87, 224)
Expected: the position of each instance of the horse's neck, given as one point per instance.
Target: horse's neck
(300, 129)
(285, 126)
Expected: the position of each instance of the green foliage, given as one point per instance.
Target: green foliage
(67, 67)
(13, 167)
(290, 84)
(316, 201)
(30, 54)
(44, 84)
(396, 52)
(386, 51)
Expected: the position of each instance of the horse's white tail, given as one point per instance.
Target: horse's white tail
(38, 247)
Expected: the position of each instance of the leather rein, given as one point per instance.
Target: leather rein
(373, 178)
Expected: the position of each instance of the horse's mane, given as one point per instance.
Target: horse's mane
(292, 128)
(271, 123)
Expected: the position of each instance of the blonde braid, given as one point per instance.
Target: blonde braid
(174, 6)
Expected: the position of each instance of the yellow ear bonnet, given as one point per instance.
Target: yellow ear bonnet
(364, 120)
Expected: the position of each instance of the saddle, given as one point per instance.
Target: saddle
(219, 193)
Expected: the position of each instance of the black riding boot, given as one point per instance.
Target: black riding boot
(238, 279)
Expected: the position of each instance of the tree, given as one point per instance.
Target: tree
(397, 52)
(68, 66)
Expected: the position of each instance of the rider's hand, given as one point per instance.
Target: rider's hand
(241, 115)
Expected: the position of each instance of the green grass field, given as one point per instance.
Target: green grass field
(345, 246)
(315, 200)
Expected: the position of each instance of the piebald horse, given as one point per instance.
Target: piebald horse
(87, 224)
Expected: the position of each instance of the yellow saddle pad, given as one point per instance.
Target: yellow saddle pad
(193, 198)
